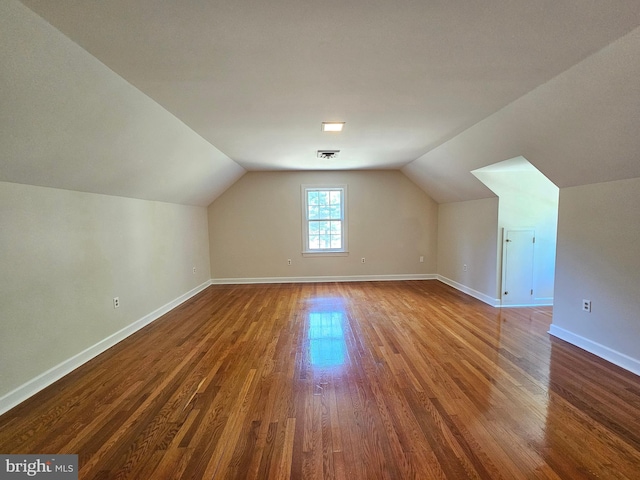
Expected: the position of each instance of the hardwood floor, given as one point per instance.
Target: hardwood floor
(389, 380)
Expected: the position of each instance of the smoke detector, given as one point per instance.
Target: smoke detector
(328, 154)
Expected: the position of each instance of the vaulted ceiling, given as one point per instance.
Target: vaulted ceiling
(435, 88)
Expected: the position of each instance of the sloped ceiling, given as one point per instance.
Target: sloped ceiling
(436, 88)
(67, 121)
(579, 128)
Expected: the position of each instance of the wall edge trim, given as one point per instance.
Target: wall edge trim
(494, 302)
(320, 279)
(602, 351)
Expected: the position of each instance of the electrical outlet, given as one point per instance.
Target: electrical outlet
(288, 261)
(586, 305)
(421, 259)
(464, 267)
(362, 260)
(194, 270)
(116, 302)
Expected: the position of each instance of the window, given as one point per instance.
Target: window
(325, 222)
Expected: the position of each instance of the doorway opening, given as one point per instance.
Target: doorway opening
(527, 231)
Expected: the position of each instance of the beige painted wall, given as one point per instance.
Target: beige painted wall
(598, 259)
(63, 257)
(468, 234)
(256, 225)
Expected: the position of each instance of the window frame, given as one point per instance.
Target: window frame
(306, 250)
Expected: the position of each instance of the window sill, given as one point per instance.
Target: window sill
(325, 254)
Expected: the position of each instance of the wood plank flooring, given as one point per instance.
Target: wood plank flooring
(380, 380)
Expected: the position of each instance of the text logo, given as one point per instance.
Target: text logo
(50, 467)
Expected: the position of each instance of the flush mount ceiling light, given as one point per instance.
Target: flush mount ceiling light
(332, 126)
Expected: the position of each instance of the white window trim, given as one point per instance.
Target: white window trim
(306, 251)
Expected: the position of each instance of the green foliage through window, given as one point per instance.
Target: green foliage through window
(325, 219)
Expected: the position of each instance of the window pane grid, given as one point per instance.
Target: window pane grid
(325, 215)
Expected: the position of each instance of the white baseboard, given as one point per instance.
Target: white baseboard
(33, 386)
(543, 302)
(527, 305)
(537, 302)
(319, 279)
(613, 356)
(494, 302)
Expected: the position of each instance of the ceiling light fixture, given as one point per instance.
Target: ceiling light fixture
(332, 126)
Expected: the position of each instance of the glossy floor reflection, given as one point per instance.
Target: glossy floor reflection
(327, 347)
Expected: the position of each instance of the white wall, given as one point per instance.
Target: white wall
(467, 235)
(63, 257)
(256, 225)
(527, 200)
(598, 258)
